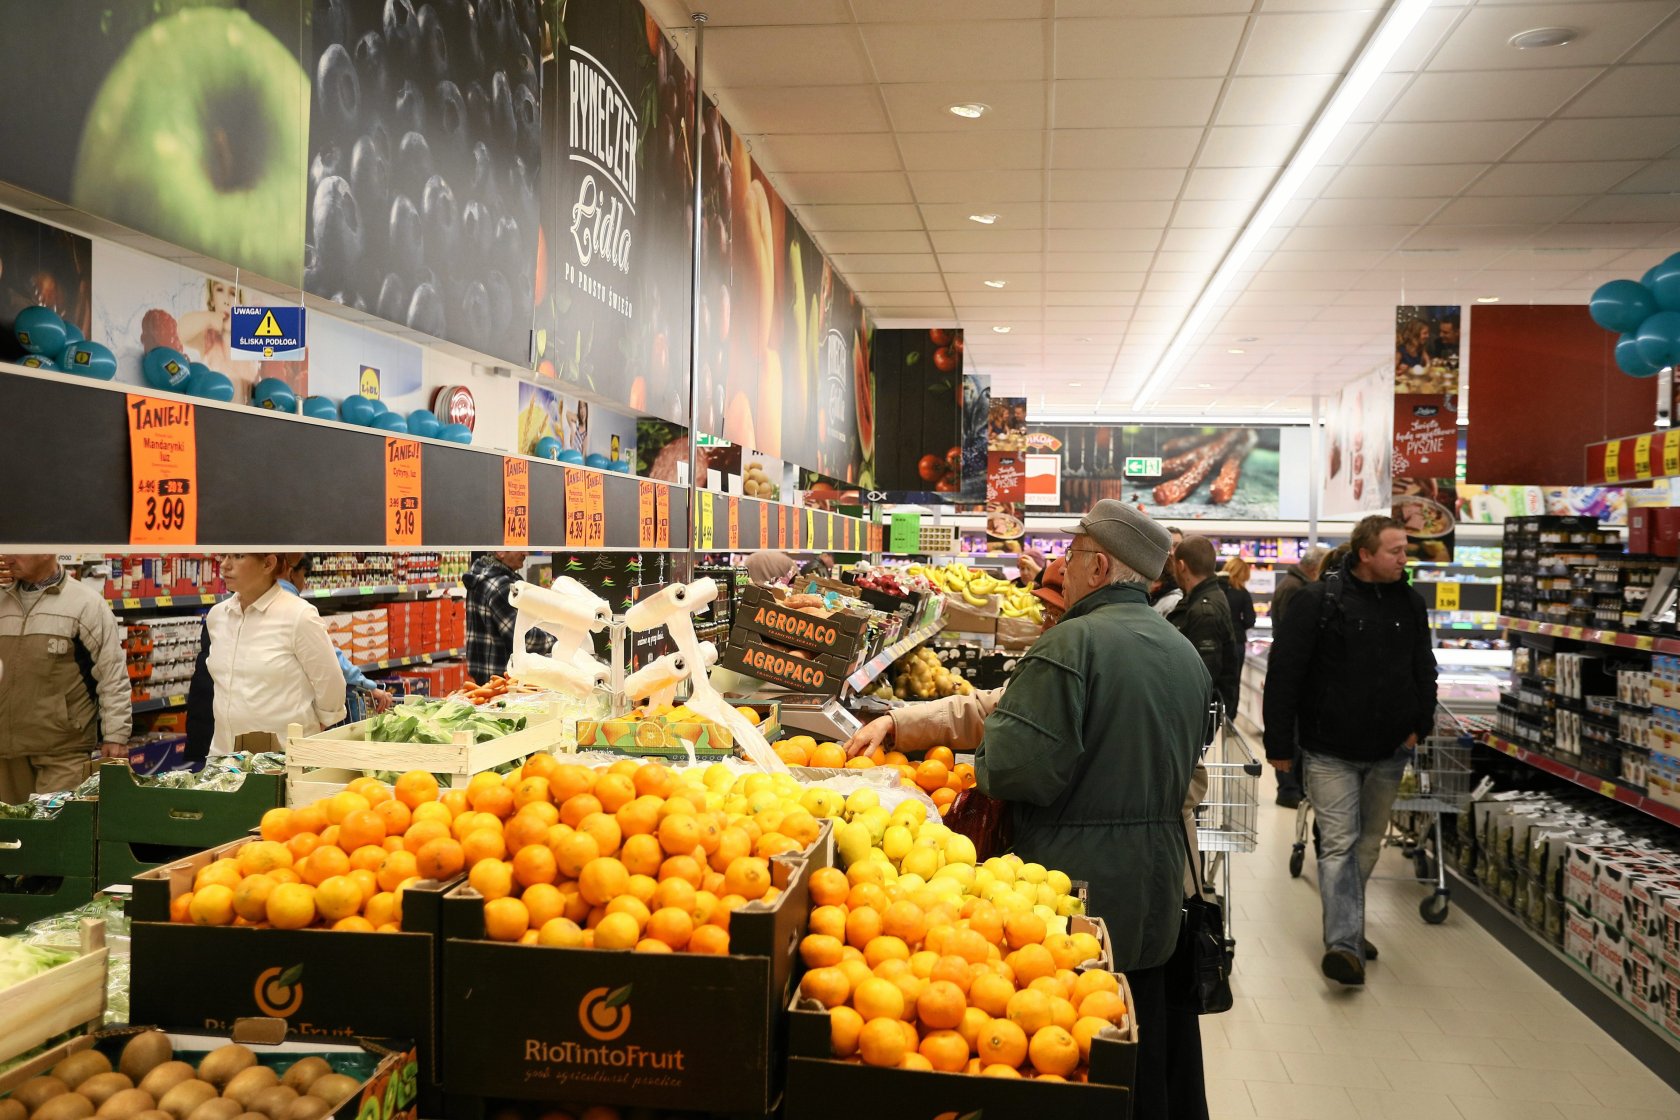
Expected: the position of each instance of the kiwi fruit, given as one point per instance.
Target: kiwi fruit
(221, 1064)
(65, 1106)
(273, 1101)
(333, 1087)
(143, 1053)
(35, 1092)
(77, 1068)
(101, 1087)
(307, 1108)
(154, 1114)
(219, 1109)
(125, 1105)
(180, 1101)
(165, 1077)
(304, 1073)
(247, 1083)
(12, 1110)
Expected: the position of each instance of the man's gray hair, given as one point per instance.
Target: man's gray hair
(1313, 558)
(1119, 574)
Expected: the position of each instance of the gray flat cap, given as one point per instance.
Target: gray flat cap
(1127, 534)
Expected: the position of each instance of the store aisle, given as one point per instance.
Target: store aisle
(1449, 1025)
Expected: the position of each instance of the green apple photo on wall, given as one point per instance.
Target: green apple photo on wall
(425, 158)
(181, 119)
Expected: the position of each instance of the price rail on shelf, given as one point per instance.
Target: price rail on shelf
(1615, 791)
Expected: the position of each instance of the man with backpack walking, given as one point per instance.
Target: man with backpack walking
(1352, 677)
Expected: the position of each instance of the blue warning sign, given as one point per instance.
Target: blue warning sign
(267, 334)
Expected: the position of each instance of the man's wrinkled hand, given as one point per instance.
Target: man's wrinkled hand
(870, 736)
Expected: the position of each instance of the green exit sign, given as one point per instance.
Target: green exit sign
(1141, 466)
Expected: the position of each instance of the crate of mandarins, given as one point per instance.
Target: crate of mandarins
(292, 921)
(640, 952)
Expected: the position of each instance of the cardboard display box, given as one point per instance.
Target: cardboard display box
(680, 1031)
(659, 737)
(837, 634)
(136, 813)
(316, 980)
(820, 1087)
(70, 997)
(747, 653)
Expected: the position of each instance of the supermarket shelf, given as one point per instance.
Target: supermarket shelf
(160, 704)
(1645, 1040)
(407, 662)
(1633, 799)
(877, 665)
(162, 602)
(1619, 638)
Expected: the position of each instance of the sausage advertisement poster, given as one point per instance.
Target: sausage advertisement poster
(1172, 471)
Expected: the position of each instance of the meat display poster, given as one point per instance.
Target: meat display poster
(1425, 450)
(1171, 471)
(1358, 433)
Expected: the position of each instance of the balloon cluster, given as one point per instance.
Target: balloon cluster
(550, 448)
(52, 343)
(1646, 313)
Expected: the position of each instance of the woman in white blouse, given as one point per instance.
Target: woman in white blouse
(270, 657)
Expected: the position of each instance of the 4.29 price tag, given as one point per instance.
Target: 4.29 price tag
(163, 460)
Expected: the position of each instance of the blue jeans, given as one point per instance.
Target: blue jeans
(1351, 801)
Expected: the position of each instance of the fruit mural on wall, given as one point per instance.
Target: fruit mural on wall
(425, 155)
(42, 266)
(182, 119)
(612, 314)
(916, 378)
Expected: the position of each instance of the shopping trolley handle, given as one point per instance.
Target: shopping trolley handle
(1252, 768)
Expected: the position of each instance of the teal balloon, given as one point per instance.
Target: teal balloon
(572, 455)
(38, 361)
(1664, 283)
(72, 332)
(380, 408)
(1659, 339)
(39, 330)
(199, 369)
(622, 466)
(357, 410)
(391, 422)
(455, 433)
(164, 368)
(275, 395)
(90, 359)
(321, 408)
(211, 386)
(599, 461)
(423, 422)
(547, 448)
(1621, 305)
(1629, 361)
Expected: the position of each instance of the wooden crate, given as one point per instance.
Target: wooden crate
(65, 998)
(319, 765)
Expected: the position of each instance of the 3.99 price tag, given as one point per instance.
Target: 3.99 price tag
(163, 460)
(403, 520)
(516, 503)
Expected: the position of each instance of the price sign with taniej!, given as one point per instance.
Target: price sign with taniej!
(163, 456)
(403, 521)
(516, 503)
(577, 513)
(647, 521)
(662, 502)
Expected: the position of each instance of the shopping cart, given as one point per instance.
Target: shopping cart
(1437, 781)
(1227, 820)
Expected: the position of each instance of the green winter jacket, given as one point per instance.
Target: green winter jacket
(1094, 741)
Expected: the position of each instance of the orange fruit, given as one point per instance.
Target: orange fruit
(277, 825)
(224, 871)
(290, 875)
(940, 754)
(844, 1027)
(790, 754)
(366, 880)
(672, 926)
(1104, 1005)
(643, 888)
(530, 789)
(652, 945)
(883, 949)
(679, 893)
(943, 796)
(861, 762)
(654, 778)
(868, 894)
(496, 800)
(1084, 1031)
(876, 998)
(506, 919)
(1064, 951)
(568, 780)
(828, 756)
(631, 905)
(262, 856)
(180, 907)
(534, 864)
(368, 857)
(941, 1006)
(544, 902)
(973, 1022)
(492, 878)
(397, 868)
(353, 923)
(602, 880)
(561, 932)
(440, 859)
(429, 811)
(881, 1042)
(212, 905)
(291, 906)
(524, 830)
(967, 944)
(482, 844)
(1001, 1042)
(544, 811)
(863, 925)
(747, 877)
(1000, 1070)
(1030, 962)
(1030, 1010)
(381, 909)
(710, 939)
(423, 832)
(415, 787)
(343, 803)
(452, 801)
(617, 931)
(1053, 1051)
(904, 920)
(686, 868)
(914, 1060)
(1093, 980)
(733, 843)
(539, 765)
(830, 920)
(932, 774)
(250, 897)
(324, 863)
(818, 950)
(953, 970)
(679, 834)
(990, 992)
(946, 1051)
(338, 897)
(1024, 928)
(608, 836)
(614, 791)
(573, 852)
(575, 809)
(642, 854)
(638, 817)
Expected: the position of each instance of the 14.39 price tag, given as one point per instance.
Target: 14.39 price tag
(516, 503)
(163, 460)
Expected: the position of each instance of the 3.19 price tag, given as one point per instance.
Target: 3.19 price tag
(516, 503)
(163, 460)
(403, 521)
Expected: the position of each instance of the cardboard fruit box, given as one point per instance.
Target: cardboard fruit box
(750, 654)
(821, 1087)
(837, 634)
(388, 1070)
(197, 978)
(678, 1030)
(660, 737)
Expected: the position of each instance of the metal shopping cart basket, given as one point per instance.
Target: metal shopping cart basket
(1437, 782)
(1227, 820)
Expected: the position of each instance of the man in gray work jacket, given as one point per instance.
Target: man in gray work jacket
(1094, 742)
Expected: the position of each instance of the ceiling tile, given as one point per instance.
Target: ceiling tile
(804, 109)
(983, 299)
(1538, 209)
(1069, 262)
(737, 57)
(995, 186)
(1075, 281)
(866, 151)
(1631, 208)
(896, 281)
(741, 13)
(1437, 180)
(1369, 211)
(1279, 99)
(905, 241)
(1601, 139)
(1011, 215)
(818, 187)
(1488, 95)
(1097, 186)
(1481, 41)
(1317, 43)
(1664, 46)
(1153, 102)
(1190, 240)
(1124, 147)
(1245, 183)
(1103, 215)
(960, 282)
(850, 263)
(1249, 146)
(1455, 142)
(993, 240)
(1629, 91)
(925, 106)
(1102, 240)
(995, 263)
(1660, 176)
(1147, 47)
(1553, 178)
(921, 11)
(1213, 215)
(956, 50)
(972, 151)
(868, 217)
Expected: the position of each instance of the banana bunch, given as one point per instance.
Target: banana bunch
(1020, 602)
(974, 585)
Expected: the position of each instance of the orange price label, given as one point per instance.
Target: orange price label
(1613, 461)
(647, 520)
(577, 514)
(595, 510)
(781, 526)
(662, 503)
(516, 503)
(764, 509)
(163, 460)
(404, 522)
(734, 524)
(1642, 457)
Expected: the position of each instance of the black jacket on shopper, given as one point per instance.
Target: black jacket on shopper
(1204, 617)
(1351, 671)
(1290, 582)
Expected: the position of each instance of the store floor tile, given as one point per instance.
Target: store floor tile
(1450, 1024)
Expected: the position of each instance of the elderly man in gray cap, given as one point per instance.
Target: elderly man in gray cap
(1094, 742)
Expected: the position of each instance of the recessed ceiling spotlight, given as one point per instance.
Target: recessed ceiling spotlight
(996, 283)
(970, 110)
(1003, 330)
(1487, 299)
(1204, 384)
(983, 219)
(1236, 350)
(1539, 38)
(1250, 338)
(1075, 384)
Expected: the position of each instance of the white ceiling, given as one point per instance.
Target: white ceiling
(1129, 141)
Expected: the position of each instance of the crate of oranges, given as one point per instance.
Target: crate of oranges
(938, 773)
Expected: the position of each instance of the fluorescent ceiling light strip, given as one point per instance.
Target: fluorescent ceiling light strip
(1397, 25)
